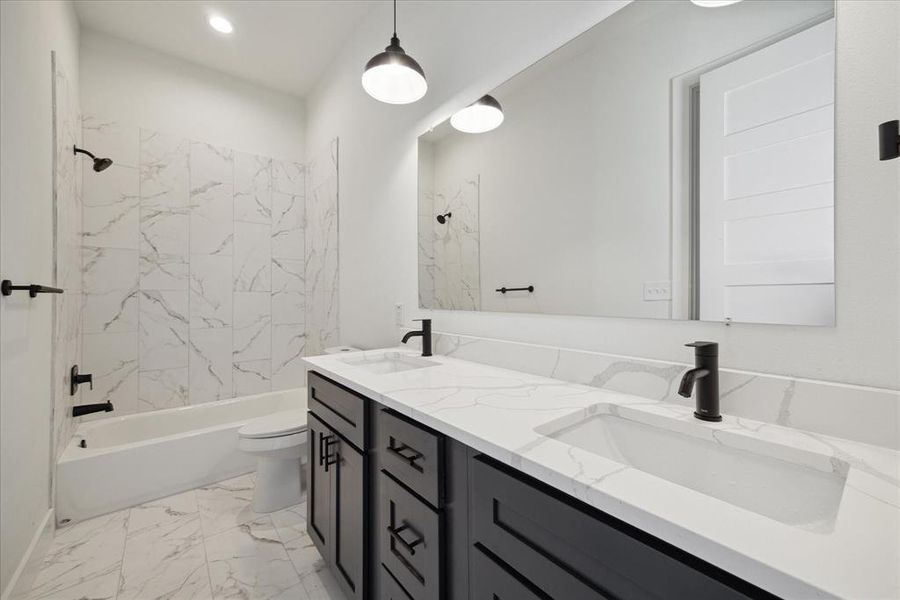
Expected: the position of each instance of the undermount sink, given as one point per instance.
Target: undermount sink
(387, 362)
(695, 456)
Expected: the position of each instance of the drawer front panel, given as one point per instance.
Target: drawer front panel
(490, 581)
(390, 589)
(410, 540)
(413, 455)
(342, 410)
(570, 553)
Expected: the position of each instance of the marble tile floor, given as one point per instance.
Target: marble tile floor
(205, 544)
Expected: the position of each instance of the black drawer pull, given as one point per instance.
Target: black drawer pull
(411, 454)
(329, 458)
(410, 546)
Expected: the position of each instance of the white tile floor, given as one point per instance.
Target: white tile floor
(203, 544)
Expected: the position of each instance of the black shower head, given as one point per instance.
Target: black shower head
(443, 218)
(100, 164)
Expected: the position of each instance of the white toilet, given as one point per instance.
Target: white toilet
(279, 443)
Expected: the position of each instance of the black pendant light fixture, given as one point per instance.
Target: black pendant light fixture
(393, 76)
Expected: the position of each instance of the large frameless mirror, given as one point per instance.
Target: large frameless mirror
(672, 162)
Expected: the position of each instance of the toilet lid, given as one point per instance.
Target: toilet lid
(277, 424)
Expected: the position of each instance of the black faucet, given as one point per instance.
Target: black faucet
(425, 333)
(706, 375)
(86, 409)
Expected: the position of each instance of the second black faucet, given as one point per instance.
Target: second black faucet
(706, 375)
(424, 333)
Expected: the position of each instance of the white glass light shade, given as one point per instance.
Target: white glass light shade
(394, 77)
(714, 3)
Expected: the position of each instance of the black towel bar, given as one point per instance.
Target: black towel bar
(503, 290)
(7, 288)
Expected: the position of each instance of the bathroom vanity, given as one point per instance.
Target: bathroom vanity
(445, 479)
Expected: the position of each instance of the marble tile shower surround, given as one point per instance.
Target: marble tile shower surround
(863, 414)
(67, 198)
(197, 263)
(452, 254)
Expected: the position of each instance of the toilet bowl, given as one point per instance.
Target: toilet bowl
(278, 441)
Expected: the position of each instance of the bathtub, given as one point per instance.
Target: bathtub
(119, 462)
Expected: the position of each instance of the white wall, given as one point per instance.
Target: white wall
(138, 86)
(467, 48)
(29, 31)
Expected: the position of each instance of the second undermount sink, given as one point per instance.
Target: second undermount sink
(387, 362)
(805, 492)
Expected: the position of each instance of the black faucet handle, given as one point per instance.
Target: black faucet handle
(702, 348)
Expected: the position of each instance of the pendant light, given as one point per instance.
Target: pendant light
(482, 115)
(714, 3)
(393, 76)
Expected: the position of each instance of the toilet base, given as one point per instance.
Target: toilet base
(279, 483)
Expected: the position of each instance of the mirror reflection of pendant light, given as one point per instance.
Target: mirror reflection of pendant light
(714, 3)
(482, 115)
(393, 76)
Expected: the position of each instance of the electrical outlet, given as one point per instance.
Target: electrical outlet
(655, 291)
(398, 314)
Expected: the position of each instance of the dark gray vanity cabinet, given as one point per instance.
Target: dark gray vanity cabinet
(338, 489)
(532, 541)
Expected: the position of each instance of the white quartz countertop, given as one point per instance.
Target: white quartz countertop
(496, 411)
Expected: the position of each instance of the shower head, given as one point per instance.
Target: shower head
(443, 218)
(100, 164)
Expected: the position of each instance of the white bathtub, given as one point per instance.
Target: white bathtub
(132, 459)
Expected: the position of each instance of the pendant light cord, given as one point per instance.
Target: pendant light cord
(395, 18)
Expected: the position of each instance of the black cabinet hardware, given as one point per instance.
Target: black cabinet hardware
(331, 459)
(505, 289)
(889, 140)
(411, 454)
(410, 546)
(7, 288)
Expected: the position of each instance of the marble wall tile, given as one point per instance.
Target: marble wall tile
(110, 279)
(167, 388)
(322, 260)
(288, 291)
(164, 329)
(288, 177)
(252, 257)
(68, 179)
(252, 326)
(252, 188)
(457, 247)
(165, 179)
(211, 291)
(164, 272)
(113, 139)
(164, 232)
(252, 377)
(288, 218)
(210, 365)
(288, 348)
(212, 199)
(112, 358)
(111, 204)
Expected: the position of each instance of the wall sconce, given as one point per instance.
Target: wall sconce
(889, 140)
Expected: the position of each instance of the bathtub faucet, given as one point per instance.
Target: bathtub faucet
(86, 409)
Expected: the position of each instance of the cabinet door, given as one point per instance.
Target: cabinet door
(318, 506)
(347, 469)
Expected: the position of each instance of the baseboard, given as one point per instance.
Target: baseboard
(24, 575)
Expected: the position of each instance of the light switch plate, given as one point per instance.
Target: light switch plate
(398, 314)
(655, 291)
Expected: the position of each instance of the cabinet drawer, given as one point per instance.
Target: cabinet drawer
(571, 551)
(412, 454)
(490, 581)
(342, 410)
(410, 540)
(390, 589)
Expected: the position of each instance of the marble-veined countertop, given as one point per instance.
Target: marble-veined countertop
(496, 411)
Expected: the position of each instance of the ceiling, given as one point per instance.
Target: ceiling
(284, 45)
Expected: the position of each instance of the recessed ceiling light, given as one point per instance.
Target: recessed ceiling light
(714, 3)
(221, 24)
